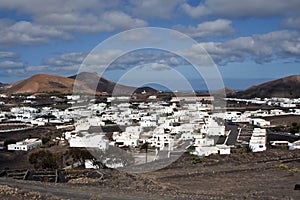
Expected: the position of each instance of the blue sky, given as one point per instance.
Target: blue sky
(250, 41)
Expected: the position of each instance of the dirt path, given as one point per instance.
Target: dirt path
(66, 191)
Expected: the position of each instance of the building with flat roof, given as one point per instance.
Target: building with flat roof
(258, 140)
(25, 145)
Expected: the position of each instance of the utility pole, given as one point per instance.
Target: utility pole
(146, 152)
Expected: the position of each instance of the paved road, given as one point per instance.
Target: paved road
(77, 192)
(232, 137)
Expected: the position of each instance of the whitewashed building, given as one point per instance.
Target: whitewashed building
(258, 140)
(259, 122)
(25, 145)
(89, 141)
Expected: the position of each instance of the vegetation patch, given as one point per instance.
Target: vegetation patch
(56, 84)
(282, 167)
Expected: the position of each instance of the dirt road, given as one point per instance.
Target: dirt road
(66, 191)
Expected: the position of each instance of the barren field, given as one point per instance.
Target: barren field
(286, 120)
(268, 175)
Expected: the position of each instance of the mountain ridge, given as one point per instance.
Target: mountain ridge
(44, 83)
(93, 83)
(288, 87)
(84, 82)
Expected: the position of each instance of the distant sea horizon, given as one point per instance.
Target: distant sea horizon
(235, 84)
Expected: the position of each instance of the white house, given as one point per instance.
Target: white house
(295, 145)
(223, 149)
(89, 140)
(201, 140)
(213, 128)
(127, 138)
(25, 145)
(162, 141)
(259, 122)
(187, 136)
(147, 123)
(73, 97)
(288, 105)
(258, 140)
(208, 150)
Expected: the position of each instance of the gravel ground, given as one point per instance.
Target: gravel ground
(267, 175)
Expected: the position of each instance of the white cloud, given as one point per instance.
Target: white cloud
(293, 22)
(260, 48)
(121, 20)
(138, 36)
(97, 61)
(61, 19)
(195, 12)
(242, 8)
(8, 55)
(37, 8)
(217, 28)
(156, 67)
(155, 8)
(10, 65)
(27, 33)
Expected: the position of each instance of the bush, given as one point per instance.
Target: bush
(282, 167)
(294, 170)
(245, 149)
(46, 139)
(197, 159)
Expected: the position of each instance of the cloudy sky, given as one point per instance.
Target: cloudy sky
(250, 41)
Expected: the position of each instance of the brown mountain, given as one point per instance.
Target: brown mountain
(43, 83)
(288, 87)
(228, 92)
(2, 84)
(100, 84)
(85, 83)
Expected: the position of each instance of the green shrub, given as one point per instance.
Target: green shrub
(197, 159)
(245, 149)
(294, 170)
(282, 167)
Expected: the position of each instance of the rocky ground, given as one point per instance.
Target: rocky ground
(10, 193)
(268, 175)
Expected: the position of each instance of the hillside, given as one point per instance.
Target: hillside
(107, 86)
(85, 83)
(2, 84)
(43, 83)
(288, 87)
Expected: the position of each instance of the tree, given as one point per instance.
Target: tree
(82, 154)
(44, 159)
(295, 128)
(46, 139)
(9, 141)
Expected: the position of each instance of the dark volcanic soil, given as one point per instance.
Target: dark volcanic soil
(268, 175)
